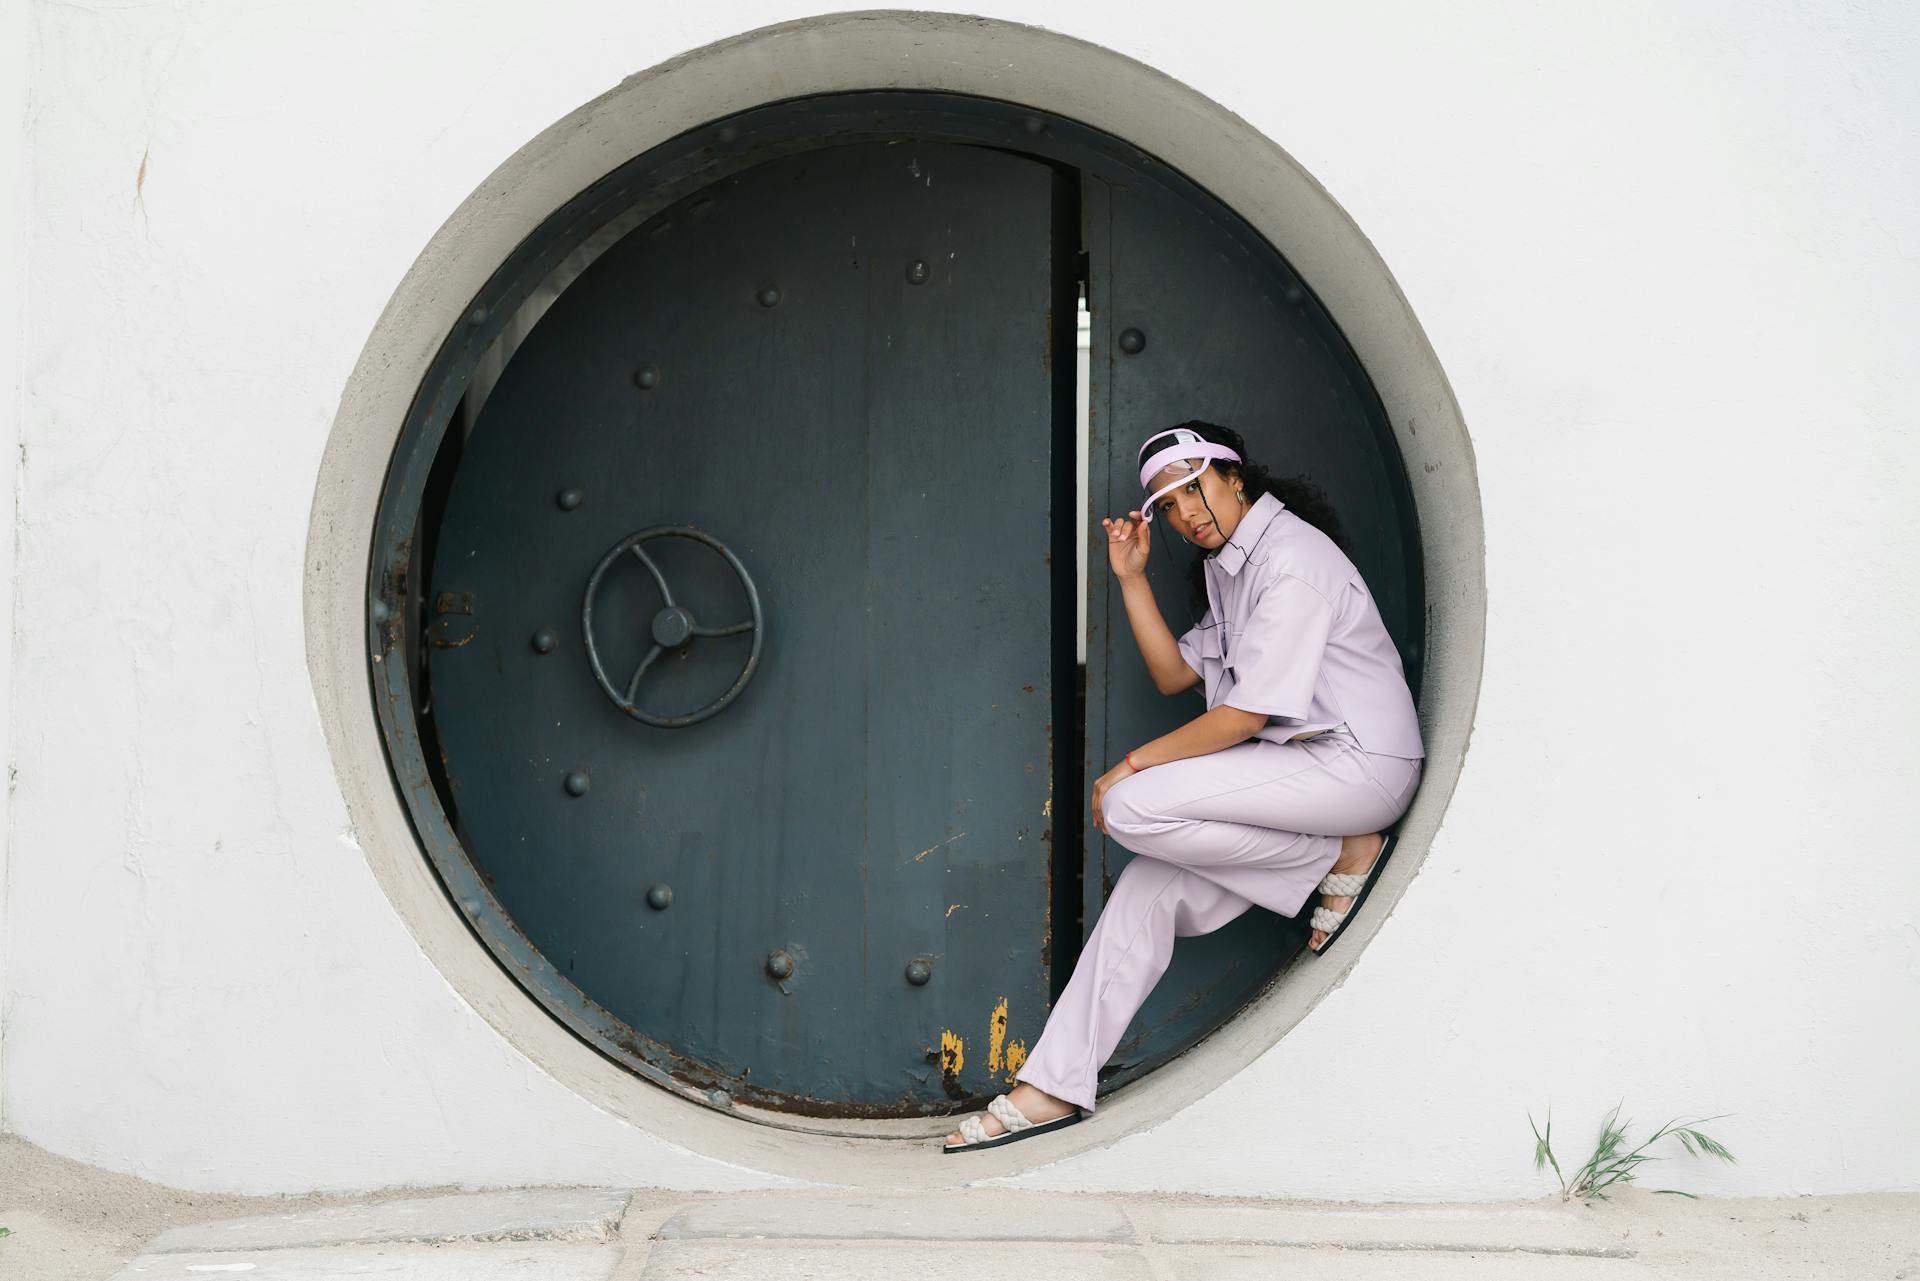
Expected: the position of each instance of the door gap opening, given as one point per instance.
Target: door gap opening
(1070, 453)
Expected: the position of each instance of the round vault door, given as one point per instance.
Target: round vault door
(737, 629)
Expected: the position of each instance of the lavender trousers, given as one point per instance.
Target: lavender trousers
(1259, 823)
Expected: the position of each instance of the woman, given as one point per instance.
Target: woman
(1308, 748)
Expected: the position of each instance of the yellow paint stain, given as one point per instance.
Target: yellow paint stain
(1046, 811)
(954, 907)
(996, 1034)
(953, 1053)
(1016, 1055)
(931, 848)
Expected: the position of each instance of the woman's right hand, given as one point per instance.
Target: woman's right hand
(1128, 542)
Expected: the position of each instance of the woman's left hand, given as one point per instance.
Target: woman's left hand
(1103, 784)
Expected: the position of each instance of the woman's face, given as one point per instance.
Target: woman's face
(1205, 510)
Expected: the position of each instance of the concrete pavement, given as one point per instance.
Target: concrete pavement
(72, 1224)
(607, 1234)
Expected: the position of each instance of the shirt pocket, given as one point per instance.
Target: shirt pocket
(1229, 637)
(1210, 644)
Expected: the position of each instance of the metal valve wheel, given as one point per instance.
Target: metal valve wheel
(674, 626)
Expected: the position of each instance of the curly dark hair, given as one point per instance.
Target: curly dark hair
(1302, 497)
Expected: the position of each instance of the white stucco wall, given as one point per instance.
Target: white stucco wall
(15, 60)
(1665, 258)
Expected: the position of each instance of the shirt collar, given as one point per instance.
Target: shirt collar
(1252, 525)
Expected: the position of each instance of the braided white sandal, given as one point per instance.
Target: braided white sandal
(1018, 1127)
(1354, 885)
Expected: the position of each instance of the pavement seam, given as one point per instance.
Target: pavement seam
(1407, 1247)
(618, 1220)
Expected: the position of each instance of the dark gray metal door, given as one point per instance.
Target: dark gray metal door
(833, 890)
(1194, 316)
(805, 864)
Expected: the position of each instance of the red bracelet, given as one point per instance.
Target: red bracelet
(1130, 765)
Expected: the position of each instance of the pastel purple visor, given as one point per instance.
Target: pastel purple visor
(1187, 448)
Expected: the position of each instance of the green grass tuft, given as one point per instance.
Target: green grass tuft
(1613, 1162)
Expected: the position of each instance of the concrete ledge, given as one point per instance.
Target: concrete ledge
(1267, 1263)
(1455, 1229)
(1059, 1261)
(537, 1214)
(71, 1222)
(979, 1216)
(857, 1261)
(408, 1262)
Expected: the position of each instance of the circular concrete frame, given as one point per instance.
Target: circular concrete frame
(1037, 69)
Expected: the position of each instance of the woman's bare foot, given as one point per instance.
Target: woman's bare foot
(1035, 1105)
(1357, 854)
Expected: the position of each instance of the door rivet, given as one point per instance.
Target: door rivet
(779, 965)
(770, 297)
(569, 499)
(1035, 124)
(578, 782)
(728, 133)
(660, 897)
(1132, 341)
(477, 317)
(646, 378)
(380, 611)
(919, 971)
(917, 272)
(544, 641)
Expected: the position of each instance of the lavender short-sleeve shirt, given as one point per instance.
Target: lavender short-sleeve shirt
(1292, 631)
